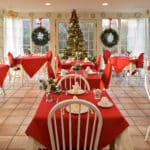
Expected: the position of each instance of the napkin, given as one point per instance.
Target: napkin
(75, 98)
(105, 102)
(75, 107)
(88, 69)
(76, 87)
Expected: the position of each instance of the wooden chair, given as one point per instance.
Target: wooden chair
(98, 62)
(106, 76)
(72, 125)
(147, 88)
(49, 55)
(106, 55)
(67, 81)
(58, 63)
(50, 70)
(3, 73)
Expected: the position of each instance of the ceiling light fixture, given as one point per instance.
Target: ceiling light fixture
(104, 4)
(48, 4)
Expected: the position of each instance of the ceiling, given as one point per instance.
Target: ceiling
(80, 5)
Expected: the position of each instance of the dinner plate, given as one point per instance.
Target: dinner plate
(75, 109)
(76, 92)
(105, 103)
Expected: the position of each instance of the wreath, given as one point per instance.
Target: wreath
(40, 36)
(109, 37)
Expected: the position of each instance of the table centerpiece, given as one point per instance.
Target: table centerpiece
(49, 86)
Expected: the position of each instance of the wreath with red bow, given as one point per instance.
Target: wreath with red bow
(109, 37)
(40, 36)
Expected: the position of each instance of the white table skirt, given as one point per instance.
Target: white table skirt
(123, 142)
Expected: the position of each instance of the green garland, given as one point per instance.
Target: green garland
(105, 35)
(40, 36)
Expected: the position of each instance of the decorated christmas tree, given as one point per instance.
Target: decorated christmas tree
(75, 41)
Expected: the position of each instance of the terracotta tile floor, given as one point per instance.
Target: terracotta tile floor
(20, 103)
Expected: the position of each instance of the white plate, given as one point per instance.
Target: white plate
(104, 102)
(75, 109)
(76, 92)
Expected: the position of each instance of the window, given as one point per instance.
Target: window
(88, 33)
(26, 34)
(62, 36)
(13, 36)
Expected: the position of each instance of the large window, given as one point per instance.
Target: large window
(88, 33)
(17, 36)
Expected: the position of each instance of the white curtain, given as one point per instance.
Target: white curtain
(136, 36)
(147, 39)
(13, 36)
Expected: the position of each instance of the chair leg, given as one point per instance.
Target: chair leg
(147, 133)
(3, 90)
(112, 146)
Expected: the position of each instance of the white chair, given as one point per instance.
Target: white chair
(147, 88)
(67, 81)
(74, 126)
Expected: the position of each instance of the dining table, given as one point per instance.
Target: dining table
(120, 63)
(4, 68)
(67, 64)
(114, 128)
(32, 63)
(92, 77)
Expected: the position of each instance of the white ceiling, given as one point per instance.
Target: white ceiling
(80, 5)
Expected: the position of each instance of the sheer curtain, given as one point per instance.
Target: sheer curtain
(13, 36)
(136, 36)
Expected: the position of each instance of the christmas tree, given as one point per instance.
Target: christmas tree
(75, 41)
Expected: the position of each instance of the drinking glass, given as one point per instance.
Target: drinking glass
(97, 93)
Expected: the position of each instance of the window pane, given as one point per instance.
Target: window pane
(88, 33)
(62, 36)
(26, 35)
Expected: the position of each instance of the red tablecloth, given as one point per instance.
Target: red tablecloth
(113, 121)
(67, 65)
(31, 64)
(93, 79)
(3, 72)
(119, 62)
